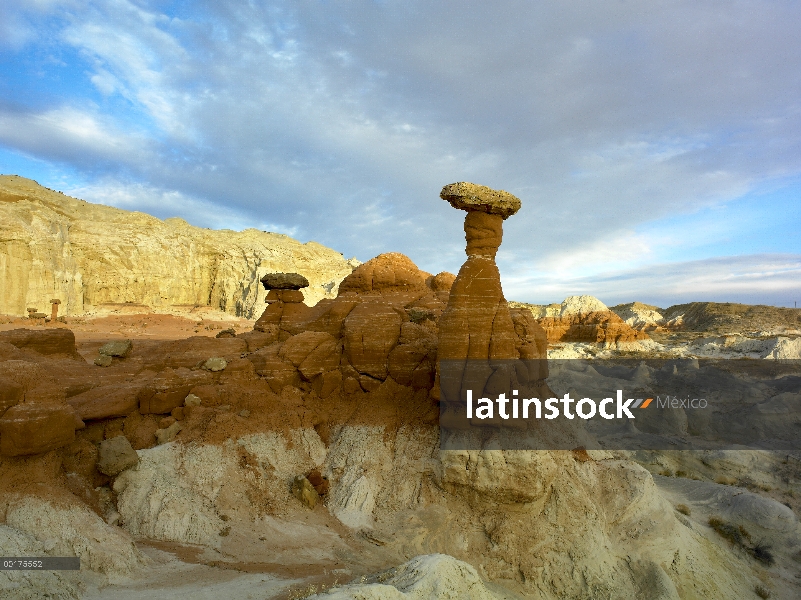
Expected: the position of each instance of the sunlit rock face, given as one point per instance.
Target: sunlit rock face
(89, 255)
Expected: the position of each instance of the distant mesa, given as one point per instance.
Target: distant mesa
(284, 281)
(583, 319)
(472, 197)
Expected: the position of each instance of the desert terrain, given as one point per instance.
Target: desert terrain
(260, 418)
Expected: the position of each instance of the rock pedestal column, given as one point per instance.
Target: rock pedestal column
(476, 332)
(285, 302)
(54, 312)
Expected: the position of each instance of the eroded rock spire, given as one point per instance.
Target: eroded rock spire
(476, 325)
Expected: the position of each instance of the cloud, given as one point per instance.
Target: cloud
(341, 121)
(751, 279)
(72, 135)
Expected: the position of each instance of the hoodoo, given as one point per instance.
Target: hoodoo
(477, 325)
(284, 300)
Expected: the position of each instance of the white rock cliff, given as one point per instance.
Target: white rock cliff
(89, 255)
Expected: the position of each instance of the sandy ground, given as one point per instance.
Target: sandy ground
(304, 552)
(170, 577)
(91, 332)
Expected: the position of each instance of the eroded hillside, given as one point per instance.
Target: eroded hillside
(90, 255)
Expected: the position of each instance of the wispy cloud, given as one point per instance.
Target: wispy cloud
(73, 135)
(753, 279)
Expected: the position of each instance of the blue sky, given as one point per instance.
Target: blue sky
(656, 147)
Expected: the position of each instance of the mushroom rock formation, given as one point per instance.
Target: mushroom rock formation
(477, 325)
(285, 303)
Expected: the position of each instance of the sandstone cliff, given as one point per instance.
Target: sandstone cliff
(88, 255)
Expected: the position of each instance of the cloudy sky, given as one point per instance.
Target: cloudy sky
(656, 146)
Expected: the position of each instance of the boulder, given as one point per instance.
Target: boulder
(325, 357)
(167, 435)
(35, 428)
(319, 481)
(215, 364)
(117, 348)
(191, 400)
(312, 352)
(284, 281)
(104, 402)
(116, 455)
(413, 364)
(103, 361)
(298, 347)
(304, 491)
(472, 197)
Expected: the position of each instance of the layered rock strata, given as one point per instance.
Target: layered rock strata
(583, 319)
(603, 327)
(90, 256)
